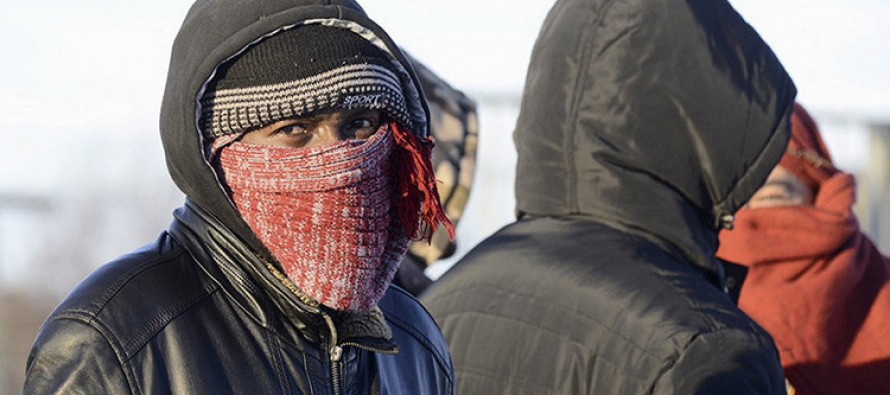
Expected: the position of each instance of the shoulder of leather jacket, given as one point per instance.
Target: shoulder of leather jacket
(135, 296)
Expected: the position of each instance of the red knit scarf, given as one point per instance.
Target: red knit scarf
(820, 288)
(327, 214)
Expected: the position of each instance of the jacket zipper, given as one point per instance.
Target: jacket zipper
(335, 352)
(392, 351)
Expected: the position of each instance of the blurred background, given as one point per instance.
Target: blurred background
(82, 174)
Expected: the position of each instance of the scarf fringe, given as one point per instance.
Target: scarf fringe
(419, 207)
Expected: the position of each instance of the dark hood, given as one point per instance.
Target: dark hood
(660, 118)
(216, 30)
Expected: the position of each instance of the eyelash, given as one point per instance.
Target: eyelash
(372, 121)
(293, 130)
(773, 197)
(302, 130)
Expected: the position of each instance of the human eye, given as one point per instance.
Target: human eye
(294, 129)
(364, 125)
(286, 133)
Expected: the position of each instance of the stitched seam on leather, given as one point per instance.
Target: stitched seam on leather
(164, 317)
(309, 381)
(90, 320)
(275, 353)
(123, 279)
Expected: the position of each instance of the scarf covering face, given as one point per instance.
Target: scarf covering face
(820, 288)
(815, 282)
(326, 214)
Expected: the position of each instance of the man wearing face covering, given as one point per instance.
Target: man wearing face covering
(643, 127)
(298, 132)
(815, 281)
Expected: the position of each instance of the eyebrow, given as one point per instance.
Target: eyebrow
(308, 118)
(358, 111)
(782, 183)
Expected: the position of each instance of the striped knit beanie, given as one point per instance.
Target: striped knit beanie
(297, 72)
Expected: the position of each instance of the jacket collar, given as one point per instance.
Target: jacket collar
(261, 290)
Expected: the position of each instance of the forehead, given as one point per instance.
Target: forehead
(780, 173)
(780, 176)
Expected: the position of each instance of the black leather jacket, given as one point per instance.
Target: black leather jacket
(201, 311)
(191, 313)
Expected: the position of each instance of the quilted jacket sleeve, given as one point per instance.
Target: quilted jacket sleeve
(729, 361)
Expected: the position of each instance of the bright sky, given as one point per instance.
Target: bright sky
(87, 61)
(80, 78)
(837, 51)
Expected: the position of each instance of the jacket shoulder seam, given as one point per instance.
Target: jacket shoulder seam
(113, 342)
(164, 317)
(128, 349)
(674, 359)
(123, 279)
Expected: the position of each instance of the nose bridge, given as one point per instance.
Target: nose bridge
(328, 131)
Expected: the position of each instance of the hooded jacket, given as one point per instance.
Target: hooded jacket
(644, 125)
(204, 308)
(815, 281)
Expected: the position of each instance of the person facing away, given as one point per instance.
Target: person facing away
(815, 282)
(298, 133)
(644, 125)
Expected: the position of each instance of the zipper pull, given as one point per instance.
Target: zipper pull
(336, 353)
(726, 221)
(335, 350)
